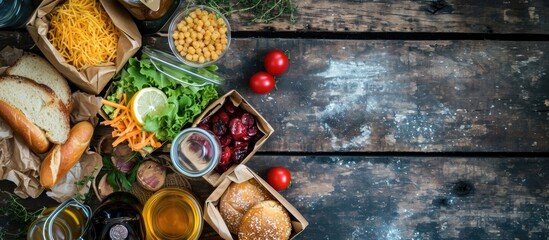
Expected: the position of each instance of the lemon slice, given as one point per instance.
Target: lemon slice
(147, 101)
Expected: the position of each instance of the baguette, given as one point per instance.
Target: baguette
(63, 157)
(32, 135)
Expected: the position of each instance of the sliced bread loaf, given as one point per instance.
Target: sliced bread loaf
(37, 68)
(38, 104)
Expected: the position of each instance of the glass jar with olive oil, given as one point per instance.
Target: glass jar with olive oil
(67, 221)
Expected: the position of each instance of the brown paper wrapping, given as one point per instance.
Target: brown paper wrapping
(92, 79)
(240, 174)
(215, 178)
(21, 166)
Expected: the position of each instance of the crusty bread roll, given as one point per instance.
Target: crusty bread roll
(62, 158)
(265, 220)
(237, 199)
(32, 135)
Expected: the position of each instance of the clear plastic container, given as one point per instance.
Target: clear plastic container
(181, 16)
(166, 64)
(195, 152)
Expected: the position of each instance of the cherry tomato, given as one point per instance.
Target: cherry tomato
(276, 62)
(262, 82)
(279, 177)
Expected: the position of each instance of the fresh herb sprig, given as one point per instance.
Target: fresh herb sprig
(17, 214)
(82, 183)
(117, 178)
(263, 11)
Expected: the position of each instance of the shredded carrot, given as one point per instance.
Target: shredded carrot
(83, 33)
(114, 105)
(125, 128)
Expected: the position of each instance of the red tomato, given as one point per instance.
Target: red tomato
(276, 62)
(262, 82)
(279, 178)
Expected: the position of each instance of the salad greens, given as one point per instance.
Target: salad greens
(184, 102)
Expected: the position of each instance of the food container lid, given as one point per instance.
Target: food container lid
(166, 64)
(195, 152)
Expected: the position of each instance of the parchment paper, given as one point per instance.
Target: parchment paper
(241, 174)
(21, 166)
(92, 79)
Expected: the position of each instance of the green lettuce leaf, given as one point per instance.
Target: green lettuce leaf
(184, 102)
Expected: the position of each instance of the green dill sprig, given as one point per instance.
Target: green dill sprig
(82, 183)
(263, 11)
(17, 213)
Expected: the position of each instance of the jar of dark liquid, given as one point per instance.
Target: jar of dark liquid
(118, 218)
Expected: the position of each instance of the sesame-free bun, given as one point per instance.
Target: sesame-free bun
(237, 199)
(265, 220)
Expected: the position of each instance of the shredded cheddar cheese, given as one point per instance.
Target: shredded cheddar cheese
(84, 34)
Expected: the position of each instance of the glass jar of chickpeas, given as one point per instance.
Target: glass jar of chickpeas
(199, 36)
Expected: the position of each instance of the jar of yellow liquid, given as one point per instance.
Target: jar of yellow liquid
(173, 213)
(67, 221)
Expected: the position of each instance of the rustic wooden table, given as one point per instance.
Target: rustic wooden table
(402, 119)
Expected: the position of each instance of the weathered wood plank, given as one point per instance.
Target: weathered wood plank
(417, 198)
(406, 96)
(363, 197)
(462, 16)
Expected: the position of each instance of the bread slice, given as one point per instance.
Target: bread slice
(37, 68)
(38, 104)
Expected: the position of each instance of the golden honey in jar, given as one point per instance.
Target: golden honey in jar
(65, 222)
(173, 213)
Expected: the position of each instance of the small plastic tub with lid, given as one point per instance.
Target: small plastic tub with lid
(195, 152)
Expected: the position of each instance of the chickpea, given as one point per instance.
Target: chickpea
(201, 36)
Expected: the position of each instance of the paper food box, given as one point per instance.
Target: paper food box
(241, 173)
(264, 131)
(94, 78)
